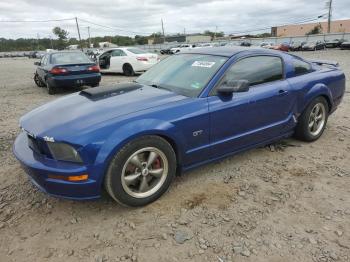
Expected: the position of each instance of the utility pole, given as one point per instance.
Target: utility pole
(216, 29)
(37, 35)
(89, 36)
(51, 42)
(184, 31)
(76, 21)
(329, 5)
(163, 31)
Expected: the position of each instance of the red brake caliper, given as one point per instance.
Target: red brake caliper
(156, 163)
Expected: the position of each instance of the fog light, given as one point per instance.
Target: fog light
(82, 177)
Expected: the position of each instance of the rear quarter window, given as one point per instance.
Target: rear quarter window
(301, 67)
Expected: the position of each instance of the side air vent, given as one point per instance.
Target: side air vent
(108, 91)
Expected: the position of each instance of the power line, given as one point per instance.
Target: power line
(305, 20)
(35, 21)
(114, 28)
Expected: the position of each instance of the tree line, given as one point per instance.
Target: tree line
(62, 40)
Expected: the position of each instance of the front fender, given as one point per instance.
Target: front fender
(316, 91)
(132, 130)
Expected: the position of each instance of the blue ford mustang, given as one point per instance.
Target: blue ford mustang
(190, 109)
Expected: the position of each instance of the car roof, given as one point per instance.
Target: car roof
(63, 51)
(228, 51)
(121, 47)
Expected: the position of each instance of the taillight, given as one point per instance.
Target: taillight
(58, 71)
(141, 58)
(94, 68)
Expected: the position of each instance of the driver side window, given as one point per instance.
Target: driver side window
(256, 69)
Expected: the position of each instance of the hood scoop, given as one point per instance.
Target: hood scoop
(98, 93)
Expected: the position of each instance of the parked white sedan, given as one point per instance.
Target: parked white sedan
(183, 47)
(127, 60)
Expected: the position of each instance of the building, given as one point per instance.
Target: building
(106, 45)
(198, 38)
(190, 38)
(338, 26)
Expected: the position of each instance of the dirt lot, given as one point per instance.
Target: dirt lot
(286, 202)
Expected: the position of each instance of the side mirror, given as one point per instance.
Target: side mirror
(232, 86)
(37, 63)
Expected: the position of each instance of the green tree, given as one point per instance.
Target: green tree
(157, 37)
(60, 33)
(141, 40)
(62, 37)
(316, 30)
(213, 34)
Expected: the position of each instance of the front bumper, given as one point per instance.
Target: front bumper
(39, 167)
(74, 80)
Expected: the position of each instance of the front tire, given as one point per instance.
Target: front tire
(313, 120)
(38, 81)
(141, 171)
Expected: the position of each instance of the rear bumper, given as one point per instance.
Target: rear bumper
(143, 66)
(74, 80)
(39, 168)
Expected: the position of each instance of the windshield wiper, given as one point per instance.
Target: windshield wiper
(161, 87)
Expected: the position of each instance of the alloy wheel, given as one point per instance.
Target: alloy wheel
(144, 172)
(317, 119)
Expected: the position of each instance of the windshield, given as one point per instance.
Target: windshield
(69, 58)
(136, 51)
(185, 74)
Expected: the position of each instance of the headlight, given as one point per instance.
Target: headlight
(64, 152)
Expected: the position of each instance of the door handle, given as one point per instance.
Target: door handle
(282, 92)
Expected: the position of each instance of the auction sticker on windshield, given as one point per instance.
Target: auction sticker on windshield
(206, 64)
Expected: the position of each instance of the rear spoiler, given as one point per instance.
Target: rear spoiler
(324, 62)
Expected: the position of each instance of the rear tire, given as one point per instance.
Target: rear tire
(50, 89)
(128, 70)
(141, 171)
(313, 120)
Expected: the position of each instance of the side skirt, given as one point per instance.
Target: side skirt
(188, 168)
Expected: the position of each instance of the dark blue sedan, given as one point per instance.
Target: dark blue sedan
(190, 109)
(66, 69)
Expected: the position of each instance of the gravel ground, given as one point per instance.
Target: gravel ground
(286, 202)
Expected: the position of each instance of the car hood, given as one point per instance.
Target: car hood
(78, 113)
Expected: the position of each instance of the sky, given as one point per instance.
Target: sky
(130, 17)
